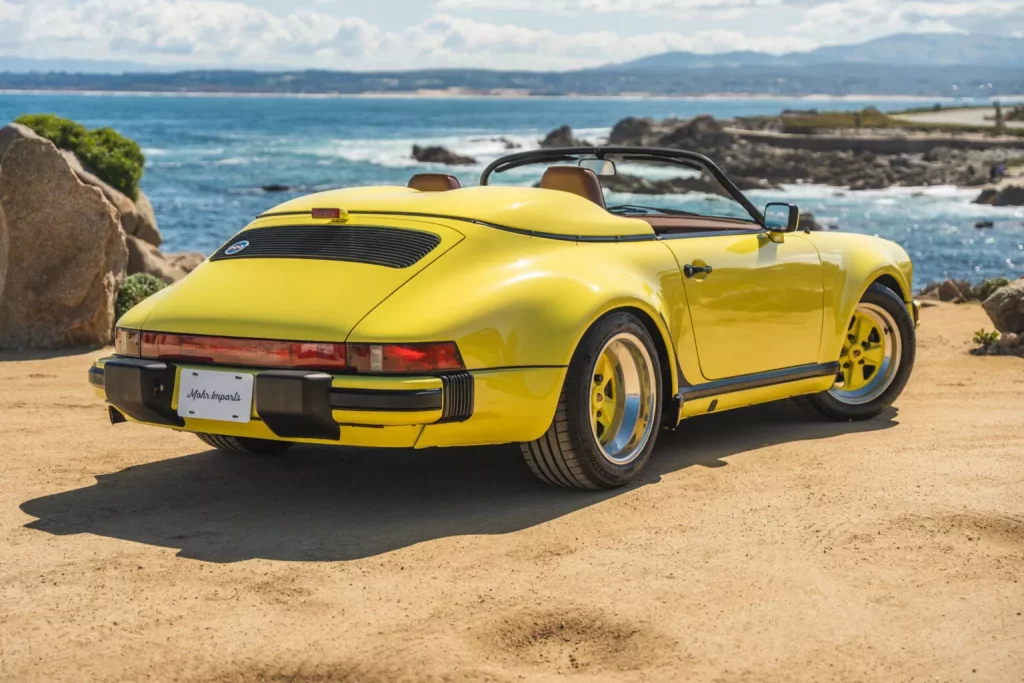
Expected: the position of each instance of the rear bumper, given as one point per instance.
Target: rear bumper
(915, 309)
(461, 408)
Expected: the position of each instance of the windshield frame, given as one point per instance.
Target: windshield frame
(676, 157)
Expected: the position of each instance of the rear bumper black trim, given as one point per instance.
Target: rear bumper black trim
(292, 403)
(296, 404)
(759, 380)
(385, 400)
(142, 389)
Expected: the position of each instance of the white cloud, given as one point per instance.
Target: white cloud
(852, 17)
(673, 8)
(228, 32)
(234, 33)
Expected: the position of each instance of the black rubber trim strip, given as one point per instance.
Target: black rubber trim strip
(459, 397)
(712, 233)
(96, 377)
(474, 221)
(758, 380)
(403, 400)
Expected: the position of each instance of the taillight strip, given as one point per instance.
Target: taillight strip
(266, 353)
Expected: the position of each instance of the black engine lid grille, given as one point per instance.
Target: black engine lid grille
(377, 245)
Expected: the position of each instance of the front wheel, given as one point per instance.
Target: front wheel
(876, 360)
(244, 445)
(609, 410)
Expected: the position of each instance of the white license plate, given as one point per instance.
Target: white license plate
(210, 395)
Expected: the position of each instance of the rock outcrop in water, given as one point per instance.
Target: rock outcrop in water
(1008, 196)
(562, 137)
(752, 159)
(440, 155)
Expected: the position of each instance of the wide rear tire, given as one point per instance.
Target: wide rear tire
(877, 359)
(609, 410)
(245, 446)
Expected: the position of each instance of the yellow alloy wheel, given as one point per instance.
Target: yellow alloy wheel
(622, 398)
(870, 356)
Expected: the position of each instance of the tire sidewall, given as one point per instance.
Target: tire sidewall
(887, 299)
(581, 372)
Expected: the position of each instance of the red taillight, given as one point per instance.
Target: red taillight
(256, 352)
(367, 358)
(404, 358)
(333, 214)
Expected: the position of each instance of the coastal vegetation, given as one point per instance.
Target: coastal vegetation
(114, 158)
(135, 289)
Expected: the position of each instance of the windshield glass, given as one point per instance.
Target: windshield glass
(648, 188)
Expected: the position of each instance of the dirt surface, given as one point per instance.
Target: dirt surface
(762, 545)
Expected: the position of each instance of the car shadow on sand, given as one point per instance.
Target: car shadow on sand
(331, 504)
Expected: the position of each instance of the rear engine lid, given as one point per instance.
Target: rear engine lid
(301, 280)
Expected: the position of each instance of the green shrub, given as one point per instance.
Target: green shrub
(986, 339)
(135, 289)
(115, 159)
(987, 287)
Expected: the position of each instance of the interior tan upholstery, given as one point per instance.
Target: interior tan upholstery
(434, 182)
(581, 181)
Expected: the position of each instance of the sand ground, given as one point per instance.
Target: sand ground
(762, 545)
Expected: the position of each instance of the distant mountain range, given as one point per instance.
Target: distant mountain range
(908, 49)
(931, 65)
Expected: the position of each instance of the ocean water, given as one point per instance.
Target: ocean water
(207, 158)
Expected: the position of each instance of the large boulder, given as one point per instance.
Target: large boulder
(1005, 307)
(137, 218)
(144, 257)
(4, 251)
(66, 252)
(950, 291)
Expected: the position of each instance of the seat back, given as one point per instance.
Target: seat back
(580, 181)
(434, 182)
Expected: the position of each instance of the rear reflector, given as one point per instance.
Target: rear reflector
(126, 342)
(255, 352)
(363, 358)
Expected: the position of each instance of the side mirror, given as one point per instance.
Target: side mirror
(601, 167)
(781, 217)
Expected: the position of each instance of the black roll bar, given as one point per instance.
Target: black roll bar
(678, 157)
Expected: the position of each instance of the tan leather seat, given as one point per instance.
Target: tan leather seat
(581, 181)
(434, 182)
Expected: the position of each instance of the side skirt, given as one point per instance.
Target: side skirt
(762, 380)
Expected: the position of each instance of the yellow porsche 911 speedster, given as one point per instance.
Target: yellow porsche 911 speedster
(541, 314)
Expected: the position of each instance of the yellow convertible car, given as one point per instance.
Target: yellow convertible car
(435, 315)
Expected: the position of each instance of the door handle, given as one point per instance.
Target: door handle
(690, 270)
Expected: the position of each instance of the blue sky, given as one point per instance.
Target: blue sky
(504, 34)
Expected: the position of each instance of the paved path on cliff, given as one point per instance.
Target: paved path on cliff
(761, 545)
(979, 116)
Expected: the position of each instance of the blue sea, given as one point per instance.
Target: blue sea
(208, 157)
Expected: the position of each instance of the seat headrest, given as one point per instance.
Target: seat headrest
(581, 181)
(434, 182)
